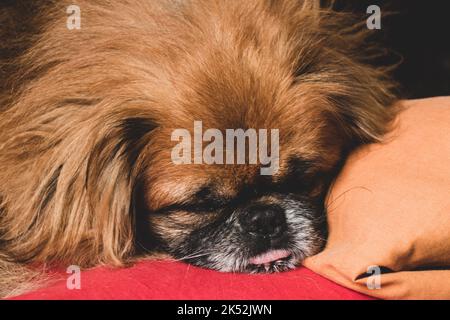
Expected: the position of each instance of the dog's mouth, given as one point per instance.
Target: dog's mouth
(272, 261)
(269, 256)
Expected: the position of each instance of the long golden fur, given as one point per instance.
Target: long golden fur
(86, 114)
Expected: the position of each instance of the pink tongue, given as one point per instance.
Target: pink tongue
(269, 256)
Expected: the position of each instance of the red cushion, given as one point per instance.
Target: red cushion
(175, 280)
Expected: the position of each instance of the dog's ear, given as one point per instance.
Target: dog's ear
(356, 77)
(363, 98)
(337, 64)
(79, 206)
(114, 174)
(363, 108)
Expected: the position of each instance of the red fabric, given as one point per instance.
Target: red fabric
(175, 280)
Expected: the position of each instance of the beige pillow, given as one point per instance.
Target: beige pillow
(390, 208)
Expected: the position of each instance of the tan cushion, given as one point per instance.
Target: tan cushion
(390, 207)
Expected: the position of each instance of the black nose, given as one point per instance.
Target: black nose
(263, 220)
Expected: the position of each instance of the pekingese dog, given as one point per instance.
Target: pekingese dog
(92, 92)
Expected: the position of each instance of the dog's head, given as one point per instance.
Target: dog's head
(110, 182)
(296, 74)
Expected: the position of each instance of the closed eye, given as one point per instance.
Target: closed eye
(298, 175)
(204, 199)
(196, 207)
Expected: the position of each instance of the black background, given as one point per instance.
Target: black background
(419, 31)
